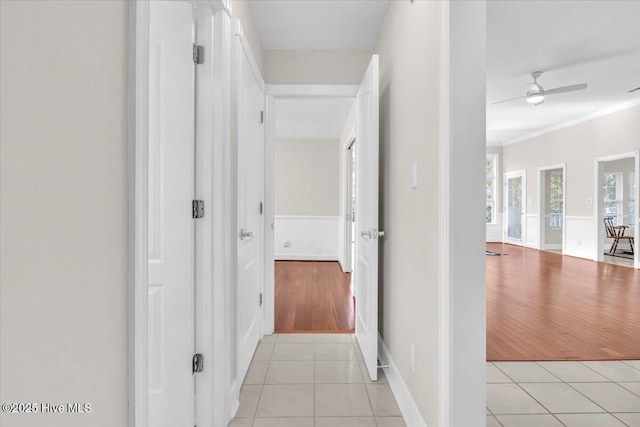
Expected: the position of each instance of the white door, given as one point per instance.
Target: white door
(250, 198)
(171, 235)
(515, 207)
(367, 233)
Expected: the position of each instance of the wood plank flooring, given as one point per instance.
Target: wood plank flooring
(545, 306)
(313, 297)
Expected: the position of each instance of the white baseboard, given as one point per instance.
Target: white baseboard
(532, 246)
(407, 404)
(555, 246)
(305, 257)
(578, 254)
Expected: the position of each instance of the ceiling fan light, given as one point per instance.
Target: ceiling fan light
(535, 98)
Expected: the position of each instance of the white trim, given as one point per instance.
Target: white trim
(572, 122)
(347, 183)
(307, 217)
(444, 218)
(312, 91)
(138, 161)
(213, 232)
(305, 257)
(542, 226)
(406, 403)
(578, 217)
(269, 215)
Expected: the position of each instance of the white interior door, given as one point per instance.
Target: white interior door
(515, 207)
(171, 235)
(250, 198)
(367, 233)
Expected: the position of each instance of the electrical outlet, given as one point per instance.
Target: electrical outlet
(287, 244)
(318, 251)
(413, 356)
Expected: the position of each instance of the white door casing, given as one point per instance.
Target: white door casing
(250, 231)
(171, 232)
(367, 233)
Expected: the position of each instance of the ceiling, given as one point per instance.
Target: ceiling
(319, 24)
(593, 42)
(311, 118)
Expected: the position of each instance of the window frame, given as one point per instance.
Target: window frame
(618, 218)
(495, 185)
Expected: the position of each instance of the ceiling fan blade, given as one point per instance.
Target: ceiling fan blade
(564, 89)
(634, 90)
(507, 100)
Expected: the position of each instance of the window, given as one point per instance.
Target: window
(632, 199)
(491, 184)
(556, 199)
(613, 197)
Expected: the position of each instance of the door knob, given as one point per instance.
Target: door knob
(245, 234)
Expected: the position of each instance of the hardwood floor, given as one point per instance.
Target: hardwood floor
(545, 306)
(313, 297)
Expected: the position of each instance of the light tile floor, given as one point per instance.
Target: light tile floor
(313, 380)
(570, 394)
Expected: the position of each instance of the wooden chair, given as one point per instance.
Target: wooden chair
(616, 232)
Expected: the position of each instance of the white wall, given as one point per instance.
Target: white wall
(577, 146)
(315, 66)
(307, 177)
(409, 103)
(63, 305)
(242, 11)
(307, 199)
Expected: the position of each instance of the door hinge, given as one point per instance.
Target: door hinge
(261, 208)
(260, 299)
(197, 209)
(197, 363)
(261, 116)
(198, 54)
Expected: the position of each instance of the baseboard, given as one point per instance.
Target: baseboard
(577, 254)
(407, 404)
(553, 246)
(494, 240)
(532, 246)
(306, 257)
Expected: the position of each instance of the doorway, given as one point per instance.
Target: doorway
(551, 202)
(312, 285)
(616, 209)
(514, 206)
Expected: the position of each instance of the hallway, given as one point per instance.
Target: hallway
(307, 380)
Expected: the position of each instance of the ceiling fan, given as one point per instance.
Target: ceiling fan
(536, 93)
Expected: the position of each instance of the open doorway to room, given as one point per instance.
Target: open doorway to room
(313, 214)
(616, 193)
(551, 208)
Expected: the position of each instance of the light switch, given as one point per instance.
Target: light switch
(414, 175)
(589, 201)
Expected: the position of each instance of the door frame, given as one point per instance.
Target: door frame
(542, 204)
(212, 336)
(242, 47)
(274, 93)
(505, 215)
(598, 204)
